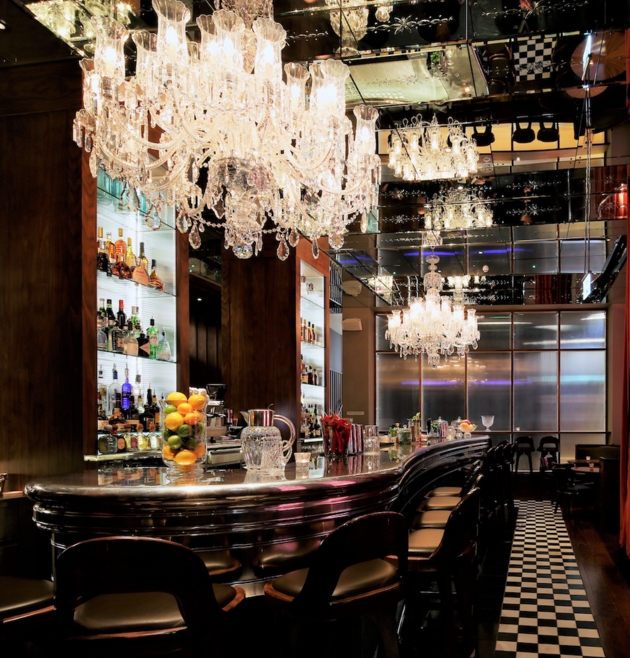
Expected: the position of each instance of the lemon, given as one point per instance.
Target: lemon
(173, 421)
(197, 401)
(176, 398)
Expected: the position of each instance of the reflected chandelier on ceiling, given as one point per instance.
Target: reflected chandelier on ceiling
(433, 325)
(420, 151)
(457, 208)
(214, 126)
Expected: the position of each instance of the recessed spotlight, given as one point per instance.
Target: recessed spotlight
(3, 25)
(199, 299)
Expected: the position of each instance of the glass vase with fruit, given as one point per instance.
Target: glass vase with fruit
(184, 433)
(467, 428)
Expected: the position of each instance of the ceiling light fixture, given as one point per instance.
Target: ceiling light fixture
(349, 22)
(457, 208)
(420, 150)
(214, 126)
(433, 325)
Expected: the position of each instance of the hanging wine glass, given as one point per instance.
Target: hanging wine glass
(487, 421)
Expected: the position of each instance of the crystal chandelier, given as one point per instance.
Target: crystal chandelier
(214, 126)
(420, 150)
(457, 208)
(433, 325)
(349, 22)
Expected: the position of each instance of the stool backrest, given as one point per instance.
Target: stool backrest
(524, 443)
(121, 565)
(462, 526)
(359, 540)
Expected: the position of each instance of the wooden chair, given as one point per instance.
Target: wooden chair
(348, 577)
(139, 596)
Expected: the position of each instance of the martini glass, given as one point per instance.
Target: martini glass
(487, 421)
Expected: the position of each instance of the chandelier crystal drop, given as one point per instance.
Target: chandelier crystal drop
(349, 22)
(215, 126)
(433, 325)
(457, 208)
(421, 151)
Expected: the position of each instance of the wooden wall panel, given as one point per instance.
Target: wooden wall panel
(205, 332)
(41, 289)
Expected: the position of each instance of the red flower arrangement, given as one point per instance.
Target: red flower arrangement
(336, 434)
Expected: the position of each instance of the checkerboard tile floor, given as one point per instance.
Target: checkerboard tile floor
(545, 611)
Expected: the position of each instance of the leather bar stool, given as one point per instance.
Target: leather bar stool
(24, 598)
(222, 566)
(277, 559)
(440, 503)
(448, 554)
(456, 491)
(349, 577)
(524, 446)
(138, 596)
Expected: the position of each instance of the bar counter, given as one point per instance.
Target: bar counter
(250, 519)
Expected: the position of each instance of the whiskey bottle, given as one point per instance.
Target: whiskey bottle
(111, 249)
(120, 269)
(142, 259)
(120, 248)
(131, 342)
(115, 337)
(152, 335)
(147, 417)
(102, 258)
(101, 337)
(157, 413)
(130, 257)
(154, 279)
(140, 272)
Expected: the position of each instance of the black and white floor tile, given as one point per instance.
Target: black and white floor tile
(545, 611)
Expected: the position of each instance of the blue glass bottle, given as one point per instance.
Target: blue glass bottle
(126, 390)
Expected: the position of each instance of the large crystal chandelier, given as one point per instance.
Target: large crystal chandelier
(457, 208)
(433, 325)
(214, 126)
(420, 150)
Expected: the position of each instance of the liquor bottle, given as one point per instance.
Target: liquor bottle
(143, 343)
(109, 312)
(137, 390)
(125, 392)
(111, 249)
(147, 417)
(154, 279)
(101, 399)
(157, 413)
(152, 335)
(303, 372)
(142, 259)
(131, 342)
(130, 257)
(134, 319)
(309, 375)
(132, 412)
(121, 318)
(101, 336)
(302, 330)
(120, 248)
(113, 393)
(163, 348)
(102, 258)
(115, 337)
(120, 269)
(106, 443)
(315, 334)
(315, 377)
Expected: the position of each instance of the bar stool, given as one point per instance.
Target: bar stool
(456, 491)
(138, 596)
(524, 446)
(448, 554)
(349, 577)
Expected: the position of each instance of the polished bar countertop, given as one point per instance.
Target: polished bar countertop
(247, 514)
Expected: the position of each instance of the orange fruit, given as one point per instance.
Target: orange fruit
(176, 398)
(201, 416)
(185, 457)
(200, 450)
(191, 418)
(173, 421)
(197, 401)
(167, 453)
(184, 408)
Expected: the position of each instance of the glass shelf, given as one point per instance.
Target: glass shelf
(312, 301)
(131, 356)
(313, 387)
(149, 291)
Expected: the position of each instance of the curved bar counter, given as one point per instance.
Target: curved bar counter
(248, 517)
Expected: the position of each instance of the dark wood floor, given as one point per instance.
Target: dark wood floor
(604, 568)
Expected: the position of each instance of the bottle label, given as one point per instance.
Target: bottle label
(145, 348)
(153, 340)
(121, 443)
(132, 348)
(140, 276)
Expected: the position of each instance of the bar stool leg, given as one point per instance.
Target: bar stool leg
(385, 621)
(446, 599)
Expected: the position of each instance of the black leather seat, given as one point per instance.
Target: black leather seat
(431, 519)
(20, 597)
(277, 559)
(221, 565)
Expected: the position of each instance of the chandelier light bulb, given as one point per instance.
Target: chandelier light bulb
(216, 126)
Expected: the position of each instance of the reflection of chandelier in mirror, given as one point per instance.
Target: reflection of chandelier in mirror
(427, 151)
(214, 126)
(71, 20)
(433, 325)
(349, 22)
(457, 208)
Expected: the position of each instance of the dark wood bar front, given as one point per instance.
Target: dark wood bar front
(243, 517)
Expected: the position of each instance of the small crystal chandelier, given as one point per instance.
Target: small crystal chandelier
(349, 21)
(421, 151)
(433, 325)
(214, 126)
(457, 208)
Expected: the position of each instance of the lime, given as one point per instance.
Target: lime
(169, 409)
(191, 444)
(175, 442)
(184, 431)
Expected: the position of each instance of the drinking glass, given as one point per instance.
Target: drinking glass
(371, 441)
(302, 459)
(487, 421)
